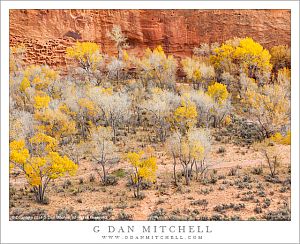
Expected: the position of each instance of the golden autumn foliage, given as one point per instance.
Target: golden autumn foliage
(197, 72)
(191, 68)
(18, 152)
(55, 123)
(185, 116)
(158, 67)
(87, 54)
(41, 100)
(55, 120)
(43, 164)
(280, 57)
(144, 169)
(218, 92)
(39, 77)
(269, 106)
(281, 139)
(242, 53)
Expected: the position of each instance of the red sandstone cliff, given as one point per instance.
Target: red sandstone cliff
(46, 33)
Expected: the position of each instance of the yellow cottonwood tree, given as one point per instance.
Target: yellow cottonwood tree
(55, 123)
(157, 67)
(40, 162)
(87, 54)
(268, 106)
(242, 53)
(144, 169)
(218, 92)
(190, 150)
(197, 72)
(184, 116)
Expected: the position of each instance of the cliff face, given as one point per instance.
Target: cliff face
(47, 33)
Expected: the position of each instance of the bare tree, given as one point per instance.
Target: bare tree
(103, 151)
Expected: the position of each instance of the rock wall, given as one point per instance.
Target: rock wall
(47, 33)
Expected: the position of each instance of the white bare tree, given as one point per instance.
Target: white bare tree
(115, 108)
(103, 151)
(159, 108)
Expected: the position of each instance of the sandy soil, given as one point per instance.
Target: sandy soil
(87, 197)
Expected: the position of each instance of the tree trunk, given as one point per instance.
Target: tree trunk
(174, 170)
(187, 178)
(104, 173)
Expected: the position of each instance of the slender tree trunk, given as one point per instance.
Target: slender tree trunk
(104, 173)
(174, 170)
(114, 132)
(187, 178)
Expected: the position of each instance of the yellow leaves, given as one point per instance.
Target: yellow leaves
(41, 139)
(227, 120)
(33, 171)
(244, 52)
(51, 166)
(125, 56)
(43, 164)
(223, 53)
(86, 53)
(18, 152)
(191, 68)
(156, 90)
(280, 139)
(145, 167)
(218, 92)
(40, 77)
(41, 101)
(197, 151)
(55, 123)
(81, 50)
(107, 91)
(186, 114)
(24, 84)
(87, 104)
(59, 166)
(269, 105)
(157, 66)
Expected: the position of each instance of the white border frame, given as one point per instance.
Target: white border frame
(82, 231)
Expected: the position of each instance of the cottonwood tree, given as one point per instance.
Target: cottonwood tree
(115, 68)
(280, 57)
(267, 106)
(81, 108)
(31, 84)
(103, 151)
(120, 40)
(205, 106)
(21, 124)
(160, 107)
(38, 159)
(115, 107)
(55, 123)
(157, 67)
(222, 105)
(144, 169)
(242, 55)
(185, 115)
(87, 54)
(190, 150)
(198, 73)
